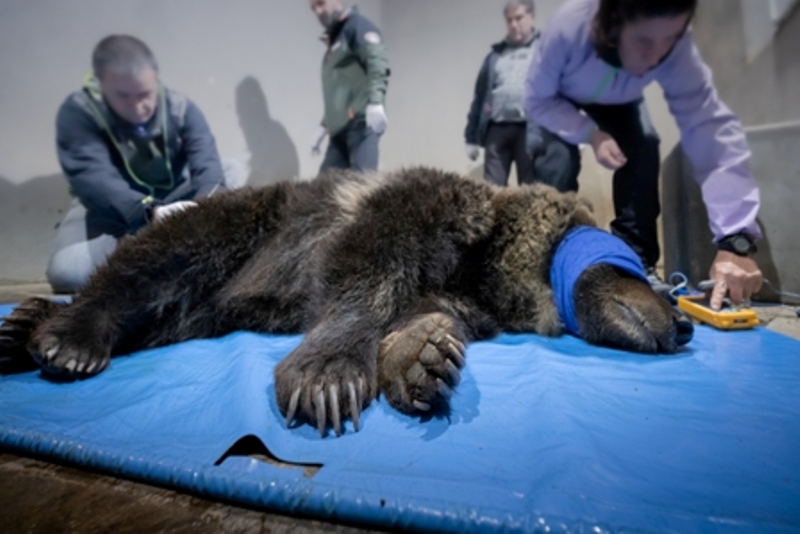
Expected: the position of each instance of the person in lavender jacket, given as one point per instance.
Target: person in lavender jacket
(586, 84)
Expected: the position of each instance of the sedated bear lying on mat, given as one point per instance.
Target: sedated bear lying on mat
(388, 276)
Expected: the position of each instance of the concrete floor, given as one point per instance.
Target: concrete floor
(38, 495)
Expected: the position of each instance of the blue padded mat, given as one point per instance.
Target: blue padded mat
(544, 434)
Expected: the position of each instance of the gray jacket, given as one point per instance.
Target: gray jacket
(480, 111)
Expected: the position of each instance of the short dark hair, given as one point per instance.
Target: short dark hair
(122, 53)
(612, 15)
(527, 4)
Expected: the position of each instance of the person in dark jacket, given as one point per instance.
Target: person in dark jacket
(497, 120)
(355, 75)
(133, 152)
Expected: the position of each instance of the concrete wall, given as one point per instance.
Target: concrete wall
(437, 48)
(251, 65)
(433, 76)
(253, 68)
(763, 91)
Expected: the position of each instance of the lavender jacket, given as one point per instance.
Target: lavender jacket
(566, 68)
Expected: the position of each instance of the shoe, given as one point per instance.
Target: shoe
(659, 286)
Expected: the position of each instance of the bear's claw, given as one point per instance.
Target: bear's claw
(63, 360)
(327, 409)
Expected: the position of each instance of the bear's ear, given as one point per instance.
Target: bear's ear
(582, 215)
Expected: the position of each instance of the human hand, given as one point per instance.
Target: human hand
(162, 212)
(376, 118)
(606, 151)
(322, 133)
(738, 276)
(316, 145)
(473, 151)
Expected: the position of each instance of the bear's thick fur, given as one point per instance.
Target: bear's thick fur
(389, 276)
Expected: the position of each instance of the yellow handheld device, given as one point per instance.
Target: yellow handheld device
(728, 318)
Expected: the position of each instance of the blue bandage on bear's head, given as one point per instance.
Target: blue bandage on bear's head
(582, 247)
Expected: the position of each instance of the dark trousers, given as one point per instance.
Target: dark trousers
(505, 143)
(635, 185)
(355, 147)
(538, 155)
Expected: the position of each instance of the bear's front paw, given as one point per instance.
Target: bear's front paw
(618, 310)
(323, 390)
(418, 365)
(68, 357)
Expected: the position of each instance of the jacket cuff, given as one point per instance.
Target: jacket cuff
(150, 204)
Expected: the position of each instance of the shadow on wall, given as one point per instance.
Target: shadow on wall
(273, 156)
(29, 217)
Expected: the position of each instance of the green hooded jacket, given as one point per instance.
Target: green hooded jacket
(355, 70)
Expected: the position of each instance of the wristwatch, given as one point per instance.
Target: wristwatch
(740, 244)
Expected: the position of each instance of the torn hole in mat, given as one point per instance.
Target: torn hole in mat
(252, 447)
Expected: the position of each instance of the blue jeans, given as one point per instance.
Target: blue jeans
(355, 147)
(554, 161)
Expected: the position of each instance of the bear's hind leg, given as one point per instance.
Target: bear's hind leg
(79, 340)
(17, 330)
(131, 303)
(419, 363)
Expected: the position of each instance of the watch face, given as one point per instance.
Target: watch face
(741, 245)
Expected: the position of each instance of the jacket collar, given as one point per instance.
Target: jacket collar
(502, 45)
(333, 32)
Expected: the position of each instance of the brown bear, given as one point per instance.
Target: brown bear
(389, 276)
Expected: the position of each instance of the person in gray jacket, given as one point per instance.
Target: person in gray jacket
(133, 152)
(497, 120)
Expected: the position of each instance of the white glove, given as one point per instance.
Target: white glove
(162, 212)
(376, 118)
(473, 151)
(322, 133)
